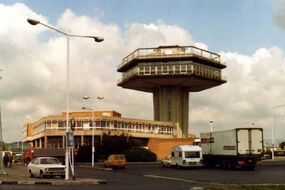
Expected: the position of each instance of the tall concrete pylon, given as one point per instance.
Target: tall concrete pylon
(170, 73)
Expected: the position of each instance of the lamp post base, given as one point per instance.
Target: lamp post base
(2, 172)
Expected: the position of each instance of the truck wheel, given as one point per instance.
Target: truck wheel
(224, 164)
(250, 168)
(208, 164)
(227, 165)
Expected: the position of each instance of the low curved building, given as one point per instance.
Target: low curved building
(49, 131)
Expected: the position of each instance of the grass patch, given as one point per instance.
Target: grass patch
(247, 187)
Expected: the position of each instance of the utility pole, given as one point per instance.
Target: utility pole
(2, 172)
(272, 128)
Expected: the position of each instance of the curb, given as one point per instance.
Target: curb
(9, 182)
(79, 182)
(42, 183)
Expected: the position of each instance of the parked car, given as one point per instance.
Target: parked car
(115, 161)
(17, 158)
(166, 162)
(46, 166)
(266, 156)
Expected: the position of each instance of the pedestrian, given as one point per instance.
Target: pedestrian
(6, 159)
(10, 160)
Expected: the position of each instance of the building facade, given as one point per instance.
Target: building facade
(49, 131)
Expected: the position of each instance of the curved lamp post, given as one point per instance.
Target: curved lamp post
(2, 171)
(93, 125)
(272, 128)
(211, 126)
(97, 39)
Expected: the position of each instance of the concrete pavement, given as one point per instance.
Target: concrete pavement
(276, 158)
(18, 174)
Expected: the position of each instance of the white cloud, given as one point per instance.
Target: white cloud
(34, 64)
(34, 67)
(155, 34)
(201, 45)
(279, 13)
(255, 83)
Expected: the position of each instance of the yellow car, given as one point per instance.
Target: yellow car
(115, 161)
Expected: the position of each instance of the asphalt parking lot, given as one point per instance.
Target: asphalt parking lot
(18, 174)
(268, 172)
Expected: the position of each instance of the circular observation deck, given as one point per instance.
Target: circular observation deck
(192, 68)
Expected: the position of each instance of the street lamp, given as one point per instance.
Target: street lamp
(211, 126)
(93, 125)
(35, 22)
(272, 128)
(97, 39)
(2, 171)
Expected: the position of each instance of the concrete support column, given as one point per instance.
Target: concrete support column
(63, 141)
(45, 141)
(171, 103)
(41, 144)
(36, 143)
(82, 140)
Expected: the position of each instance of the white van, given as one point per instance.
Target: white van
(186, 156)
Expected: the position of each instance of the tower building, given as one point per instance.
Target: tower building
(170, 73)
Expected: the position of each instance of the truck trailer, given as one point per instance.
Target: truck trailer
(239, 148)
(31, 153)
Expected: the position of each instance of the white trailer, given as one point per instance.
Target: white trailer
(186, 156)
(239, 148)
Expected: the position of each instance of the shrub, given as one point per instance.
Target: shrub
(140, 155)
(84, 154)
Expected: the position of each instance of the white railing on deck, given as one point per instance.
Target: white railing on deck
(166, 52)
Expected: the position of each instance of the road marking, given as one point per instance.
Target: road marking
(172, 178)
(97, 168)
(182, 180)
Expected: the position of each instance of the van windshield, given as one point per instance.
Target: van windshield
(192, 154)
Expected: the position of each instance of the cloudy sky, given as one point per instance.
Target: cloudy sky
(249, 35)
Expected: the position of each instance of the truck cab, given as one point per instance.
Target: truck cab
(186, 156)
